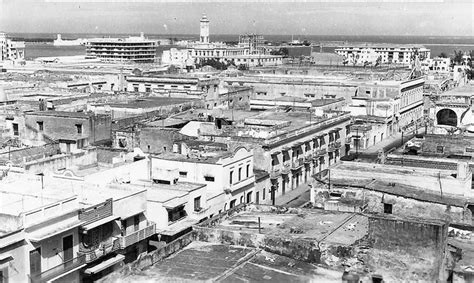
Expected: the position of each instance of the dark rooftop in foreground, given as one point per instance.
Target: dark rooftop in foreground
(206, 262)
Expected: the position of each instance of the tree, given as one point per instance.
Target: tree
(443, 55)
(458, 57)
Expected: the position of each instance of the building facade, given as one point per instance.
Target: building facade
(127, 50)
(393, 54)
(11, 50)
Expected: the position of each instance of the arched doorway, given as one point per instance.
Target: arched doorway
(447, 117)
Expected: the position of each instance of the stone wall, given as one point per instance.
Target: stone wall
(151, 258)
(445, 145)
(410, 249)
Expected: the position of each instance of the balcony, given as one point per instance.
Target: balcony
(308, 158)
(286, 167)
(348, 140)
(60, 269)
(331, 147)
(322, 152)
(104, 249)
(275, 172)
(137, 236)
(201, 211)
(298, 163)
(337, 144)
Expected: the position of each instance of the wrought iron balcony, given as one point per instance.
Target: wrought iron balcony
(59, 269)
(102, 250)
(337, 144)
(298, 163)
(275, 172)
(286, 167)
(322, 152)
(137, 236)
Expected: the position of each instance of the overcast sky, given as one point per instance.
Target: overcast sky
(310, 17)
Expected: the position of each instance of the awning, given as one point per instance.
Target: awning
(99, 222)
(52, 230)
(176, 202)
(66, 273)
(105, 264)
(5, 258)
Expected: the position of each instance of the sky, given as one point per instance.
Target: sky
(298, 17)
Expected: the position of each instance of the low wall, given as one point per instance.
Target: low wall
(300, 249)
(62, 161)
(149, 259)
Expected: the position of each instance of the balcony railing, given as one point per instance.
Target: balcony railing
(59, 269)
(137, 236)
(275, 172)
(297, 163)
(337, 144)
(331, 147)
(286, 167)
(201, 211)
(322, 152)
(101, 251)
(348, 140)
(308, 158)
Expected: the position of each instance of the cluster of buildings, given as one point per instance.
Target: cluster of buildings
(273, 171)
(11, 50)
(250, 51)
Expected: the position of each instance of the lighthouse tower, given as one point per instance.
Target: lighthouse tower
(204, 34)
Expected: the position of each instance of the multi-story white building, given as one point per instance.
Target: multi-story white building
(132, 49)
(389, 53)
(229, 175)
(11, 50)
(248, 52)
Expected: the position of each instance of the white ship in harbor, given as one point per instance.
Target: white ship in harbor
(75, 42)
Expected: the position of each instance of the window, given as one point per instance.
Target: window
(197, 204)
(240, 174)
(183, 174)
(209, 178)
(35, 262)
(80, 143)
(248, 170)
(232, 203)
(40, 125)
(79, 128)
(67, 249)
(174, 86)
(16, 132)
(135, 88)
(263, 194)
(440, 149)
(231, 177)
(147, 88)
(257, 198)
(387, 208)
(136, 222)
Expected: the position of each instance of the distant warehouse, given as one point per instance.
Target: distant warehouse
(132, 49)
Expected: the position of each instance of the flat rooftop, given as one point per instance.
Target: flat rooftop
(465, 90)
(412, 182)
(202, 157)
(59, 188)
(66, 114)
(162, 192)
(148, 102)
(206, 262)
(315, 225)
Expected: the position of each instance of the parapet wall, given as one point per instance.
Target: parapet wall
(419, 247)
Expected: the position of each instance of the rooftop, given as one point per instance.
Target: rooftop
(201, 157)
(206, 262)
(149, 102)
(412, 182)
(65, 114)
(381, 45)
(315, 225)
